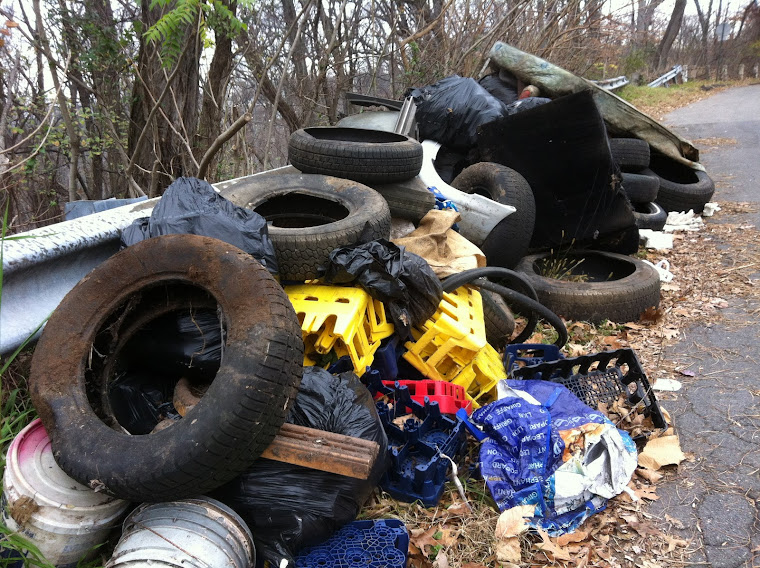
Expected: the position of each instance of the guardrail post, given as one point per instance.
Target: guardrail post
(724, 73)
(741, 71)
(755, 70)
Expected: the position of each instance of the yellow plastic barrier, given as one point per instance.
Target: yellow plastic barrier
(344, 319)
(480, 377)
(450, 340)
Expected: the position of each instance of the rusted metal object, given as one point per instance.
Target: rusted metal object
(324, 451)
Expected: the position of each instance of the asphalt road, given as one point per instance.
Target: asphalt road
(716, 499)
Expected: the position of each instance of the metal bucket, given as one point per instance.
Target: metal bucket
(191, 533)
(63, 518)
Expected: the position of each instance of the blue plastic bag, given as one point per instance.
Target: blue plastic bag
(547, 449)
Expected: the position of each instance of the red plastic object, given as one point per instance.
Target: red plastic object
(450, 397)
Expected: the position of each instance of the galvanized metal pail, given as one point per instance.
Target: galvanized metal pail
(190, 533)
(63, 518)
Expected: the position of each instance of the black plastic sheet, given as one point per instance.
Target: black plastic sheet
(451, 110)
(289, 507)
(502, 90)
(190, 206)
(403, 281)
(561, 149)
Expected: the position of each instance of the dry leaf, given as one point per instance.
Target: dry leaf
(448, 536)
(648, 493)
(422, 538)
(508, 550)
(441, 560)
(673, 521)
(512, 521)
(648, 474)
(673, 542)
(549, 546)
(662, 451)
(459, 509)
(473, 565)
(567, 538)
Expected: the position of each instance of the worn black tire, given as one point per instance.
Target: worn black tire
(367, 156)
(508, 242)
(619, 288)
(641, 187)
(649, 216)
(631, 154)
(244, 407)
(407, 200)
(681, 187)
(294, 204)
(498, 319)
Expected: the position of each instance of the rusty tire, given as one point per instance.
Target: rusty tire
(247, 402)
(311, 215)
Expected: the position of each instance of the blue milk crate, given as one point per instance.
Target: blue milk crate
(526, 354)
(360, 544)
(418, 471)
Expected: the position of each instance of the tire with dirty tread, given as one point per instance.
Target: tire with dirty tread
(681, 187)
(311, 215)
(77, 359)
(506, 244)
(498, 319)
(618, 287)
(407, 201)
(641, 187)
(631, 154)
(366, 156)
(649, 216)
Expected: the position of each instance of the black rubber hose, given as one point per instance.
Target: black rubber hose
(515, 279)
(534, 307)
(527, 302)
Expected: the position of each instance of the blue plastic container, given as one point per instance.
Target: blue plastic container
(361, 544)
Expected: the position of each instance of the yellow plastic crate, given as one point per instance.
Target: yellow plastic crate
(346, 320)
(450, 340)
(480, 377)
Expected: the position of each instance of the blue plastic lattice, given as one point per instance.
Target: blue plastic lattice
(361, 544)
(418, 471)
(520, 355)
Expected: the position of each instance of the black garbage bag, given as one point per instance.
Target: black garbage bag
(403, 281)
(526, 104)
(561, 149)
(451, 110)
(289, 507)
(191, 206)
(140, 400)
(505, 91)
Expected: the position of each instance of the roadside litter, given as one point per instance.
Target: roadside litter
(257, 363)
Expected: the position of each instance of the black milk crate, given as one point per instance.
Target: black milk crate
(601, 378)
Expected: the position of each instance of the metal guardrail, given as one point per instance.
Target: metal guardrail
(612, 84)
(669, 76)
(40, 268)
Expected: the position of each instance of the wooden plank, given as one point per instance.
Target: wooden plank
(323, 451)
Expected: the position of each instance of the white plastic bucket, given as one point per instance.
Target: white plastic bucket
(63, 518)
(190, 533)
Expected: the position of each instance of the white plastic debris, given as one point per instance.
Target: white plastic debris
(710, 209)
(655, 239)
(688, 221)
(663, 269)
(667, 385)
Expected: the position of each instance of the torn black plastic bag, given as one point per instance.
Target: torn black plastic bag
(403, 281)
(561, 149)
(289, 507)
(502, 90)
(451, 110)
(190, 206)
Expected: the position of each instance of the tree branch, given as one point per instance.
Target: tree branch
(220, 140)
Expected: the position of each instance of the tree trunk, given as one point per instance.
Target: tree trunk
(674, 26)
(162, 155)
(215, 91)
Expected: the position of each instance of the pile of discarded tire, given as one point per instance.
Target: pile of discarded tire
(167, 375)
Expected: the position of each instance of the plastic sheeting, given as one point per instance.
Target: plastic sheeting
(190, 206)
(289, 507)
(548, 449)
(403, 281)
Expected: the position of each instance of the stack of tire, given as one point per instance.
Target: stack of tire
(640, 184)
